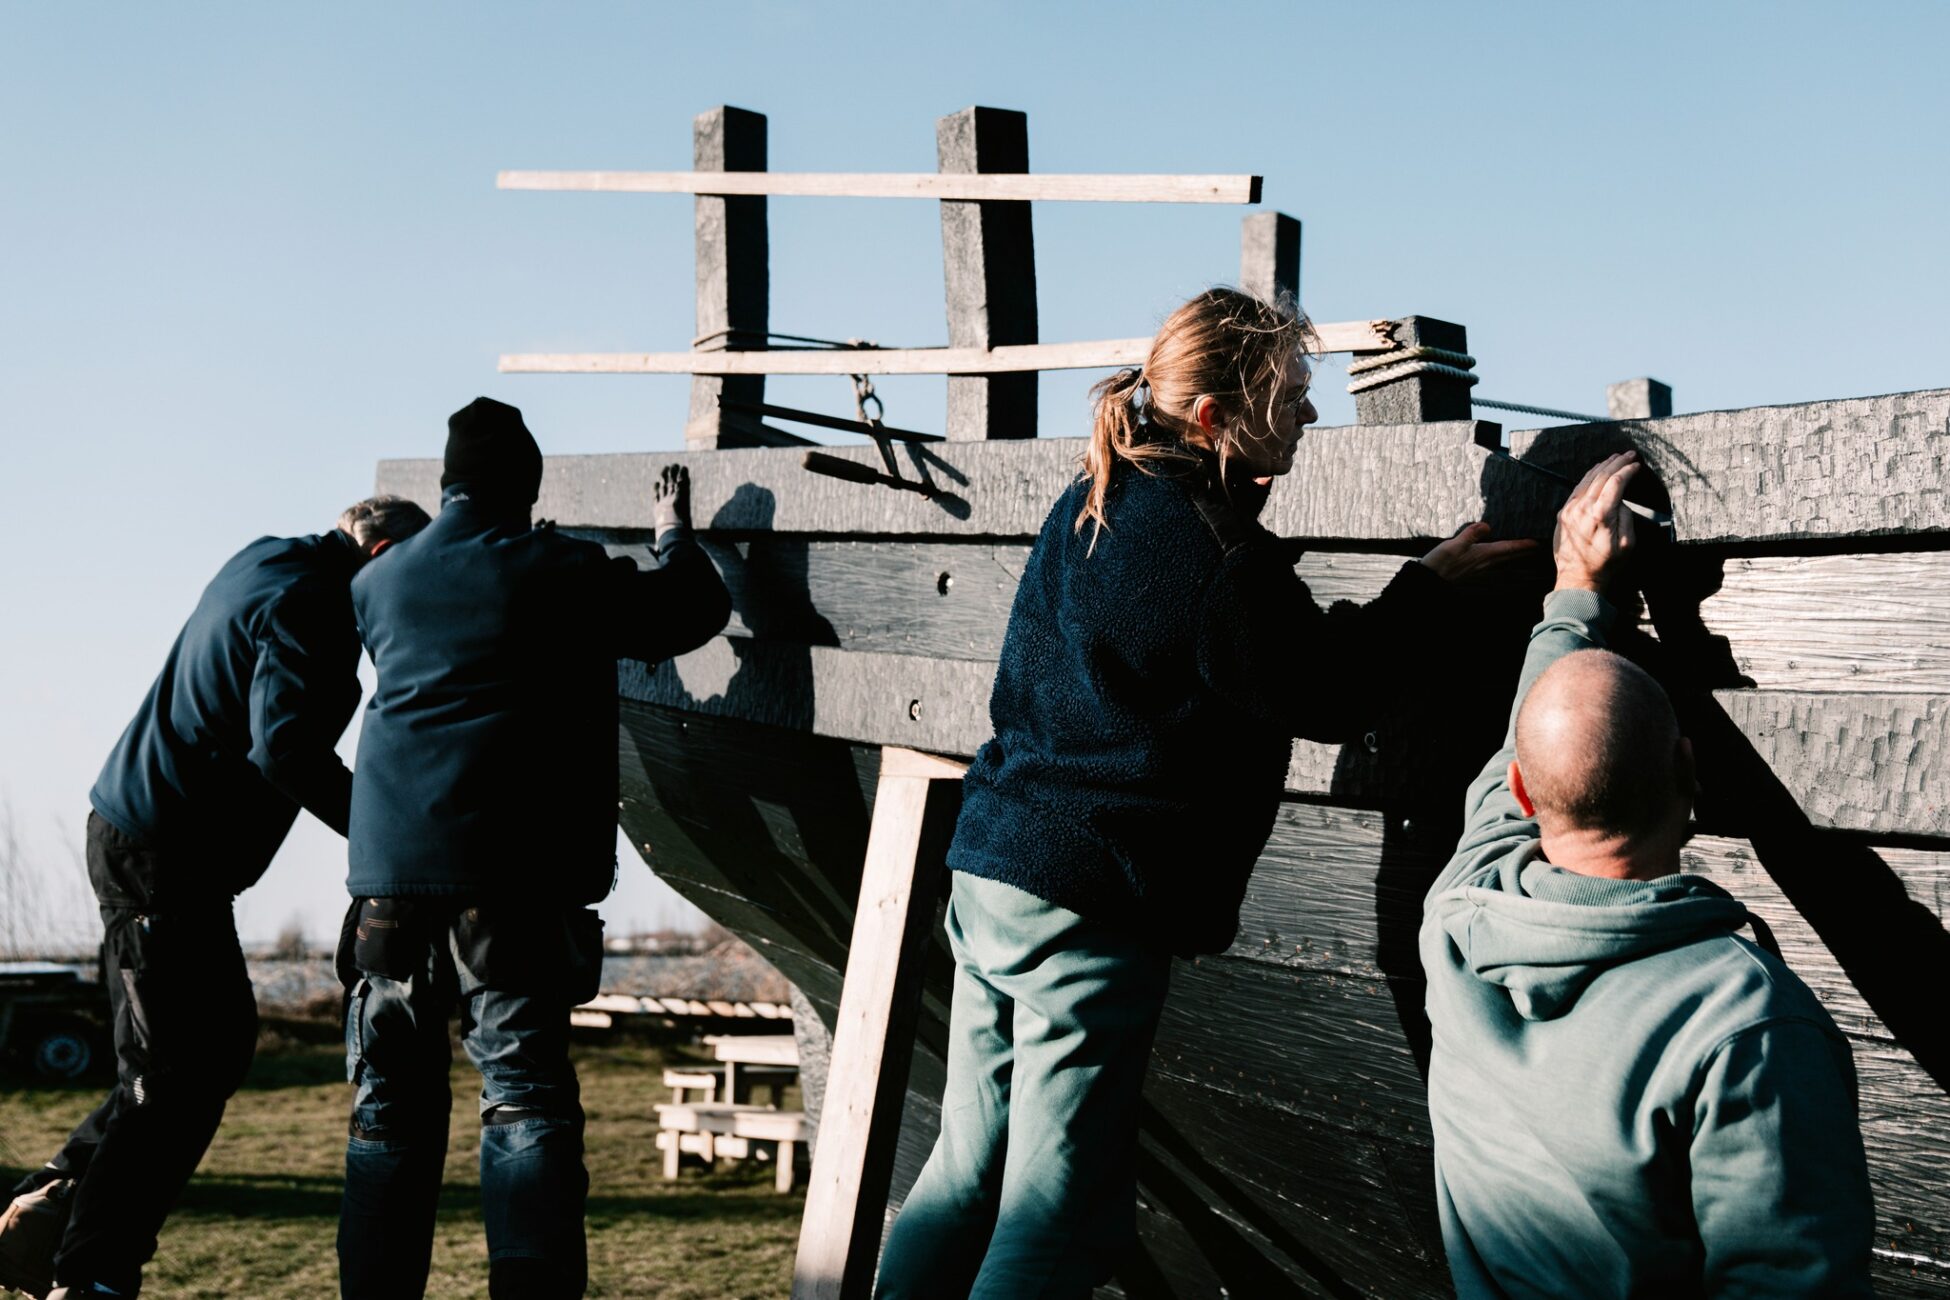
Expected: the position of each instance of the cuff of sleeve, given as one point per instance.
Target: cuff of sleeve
(673, 536)
(1578, 605)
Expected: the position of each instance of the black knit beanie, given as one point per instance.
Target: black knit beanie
(491, 451)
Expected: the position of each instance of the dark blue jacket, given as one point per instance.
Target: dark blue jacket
(1147, 700)
(237, 731)
(487, 759)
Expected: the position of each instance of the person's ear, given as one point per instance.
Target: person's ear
(1522, 795)
(1206, 414)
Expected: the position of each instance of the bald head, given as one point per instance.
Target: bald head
(1598, 748)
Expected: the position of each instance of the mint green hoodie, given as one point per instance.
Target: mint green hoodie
(1629, 1097)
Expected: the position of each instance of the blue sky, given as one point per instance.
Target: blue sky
(252, 249)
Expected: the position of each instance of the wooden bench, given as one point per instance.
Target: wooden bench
(680, 1082)
(769, 1061)
(734, 1131)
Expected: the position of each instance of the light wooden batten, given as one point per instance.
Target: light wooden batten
(1044, 186)
(1345, 336)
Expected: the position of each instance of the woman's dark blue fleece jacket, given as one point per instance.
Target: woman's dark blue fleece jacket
(1147, 699)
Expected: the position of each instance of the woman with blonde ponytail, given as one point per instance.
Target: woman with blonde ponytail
(1161, 657)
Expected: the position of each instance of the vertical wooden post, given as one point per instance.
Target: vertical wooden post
(1419, 399)
(873, 1041)
(988, 251)
(1269, 255)
(1638, 399)
(733, 275)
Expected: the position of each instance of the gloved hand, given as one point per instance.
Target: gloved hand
(671, 499)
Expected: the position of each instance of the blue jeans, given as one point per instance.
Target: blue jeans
(533, 1183)
(1030, 1191)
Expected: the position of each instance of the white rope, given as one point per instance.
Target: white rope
(1404, 370)
(1381, 360)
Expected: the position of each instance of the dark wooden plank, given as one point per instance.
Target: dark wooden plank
(1864, 467)
(1765, 476)
(988, 251)
(1381, 484)
(1877, 623)
(1269, 255)
(1429, 395)
(1837, 622)
(1638, 399)
(1354, 1214)
(733, 276)
(1877, 764)
(763, 826)
(1860, 762)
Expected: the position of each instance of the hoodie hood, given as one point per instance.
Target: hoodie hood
(1543, 934)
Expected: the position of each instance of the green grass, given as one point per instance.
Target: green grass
(260, 1217)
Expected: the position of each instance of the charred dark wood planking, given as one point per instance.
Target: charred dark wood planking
(1269, 255)
(1861, 467)
(1866, 467)
(1877, 623)
(1857, 762)
(988, 251)
(733, 276)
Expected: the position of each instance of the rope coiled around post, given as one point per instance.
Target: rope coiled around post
(1403, 363)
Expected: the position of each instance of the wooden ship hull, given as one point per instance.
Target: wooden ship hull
(1803, 628)
(1286, 1142)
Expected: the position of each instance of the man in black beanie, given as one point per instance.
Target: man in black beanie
(482, 832)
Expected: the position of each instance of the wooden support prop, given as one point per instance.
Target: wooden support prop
(733, 278)
(1419, 398)
(1342, 336)
(988, 252)
(901, 185)
(873, 1036)
(1269, 255)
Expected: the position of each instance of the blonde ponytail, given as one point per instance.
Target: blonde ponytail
(1224, 344)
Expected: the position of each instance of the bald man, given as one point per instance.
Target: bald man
(1631, 1094)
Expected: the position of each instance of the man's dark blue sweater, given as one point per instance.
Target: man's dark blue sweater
(1147, 699)
(237, 731)
(487, 759)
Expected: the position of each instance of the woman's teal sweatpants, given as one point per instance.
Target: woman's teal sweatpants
(1029, 1193)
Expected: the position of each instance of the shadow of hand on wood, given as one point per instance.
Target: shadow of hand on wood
(1893, 948)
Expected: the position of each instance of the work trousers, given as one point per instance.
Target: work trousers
(185, 1026)
(411, 965)
(1030, 1193)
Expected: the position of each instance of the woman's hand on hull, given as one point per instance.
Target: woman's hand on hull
(1470, 555)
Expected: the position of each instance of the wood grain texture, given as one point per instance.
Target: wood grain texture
(1387, 484)
(1873, 623)
(1285, 1094)
(873, 1034)
(1343, 336)
(1862, 467)
(1857, 762)
(1877, 622)
(1137, 187)
(1860, 762)
(988, 252)
(733, 273)
(1269, 255)
(989, 489)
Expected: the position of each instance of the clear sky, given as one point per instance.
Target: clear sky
(250, 250)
